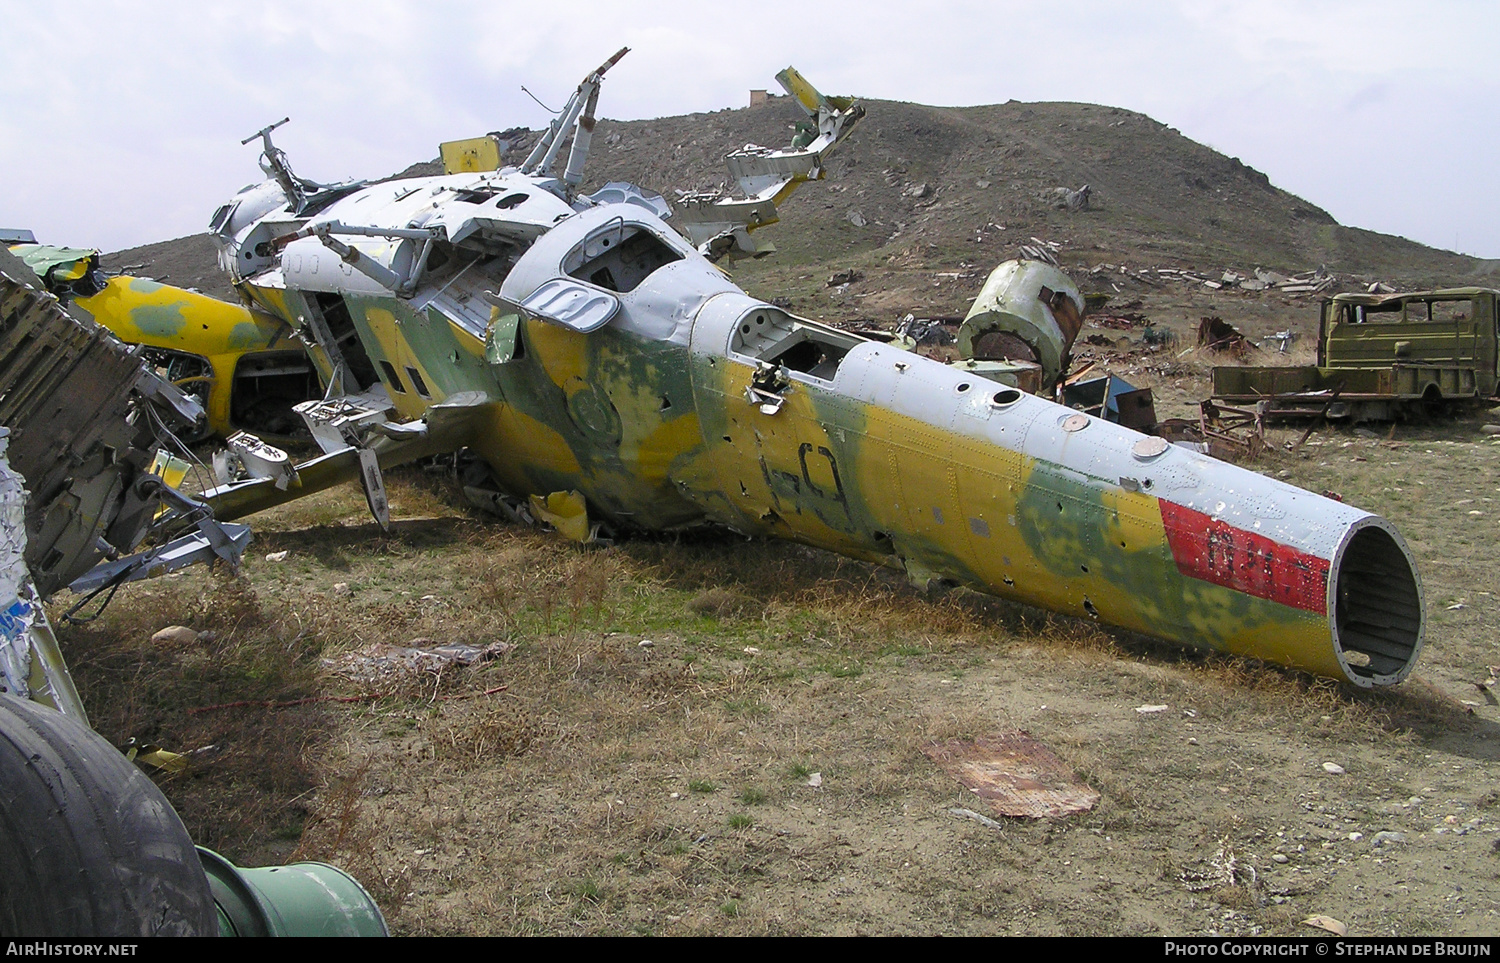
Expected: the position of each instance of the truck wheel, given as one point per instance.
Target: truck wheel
(89, 847)
(1433, 404)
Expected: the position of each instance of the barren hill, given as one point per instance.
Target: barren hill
(919, 189)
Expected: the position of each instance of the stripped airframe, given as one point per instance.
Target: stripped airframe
(606, 372)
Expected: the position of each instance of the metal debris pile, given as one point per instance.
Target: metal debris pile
(380, 663)
(1302, 283)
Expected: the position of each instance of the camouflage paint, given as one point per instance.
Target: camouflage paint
(142, 311)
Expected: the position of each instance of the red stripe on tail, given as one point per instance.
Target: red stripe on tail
(1215, 551)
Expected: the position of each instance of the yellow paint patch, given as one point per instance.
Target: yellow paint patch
(563, 354)
(655, 453)
(515, 437)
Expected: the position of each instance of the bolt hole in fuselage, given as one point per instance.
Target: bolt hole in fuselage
(1377, 599)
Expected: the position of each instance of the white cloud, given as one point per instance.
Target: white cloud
(122, 126)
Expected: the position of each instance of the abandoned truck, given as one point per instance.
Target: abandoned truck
(1382, 357)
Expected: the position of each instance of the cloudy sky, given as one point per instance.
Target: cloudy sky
(122, 121)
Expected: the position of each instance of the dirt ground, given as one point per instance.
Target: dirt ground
(711, 736)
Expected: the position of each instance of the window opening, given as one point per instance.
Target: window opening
(266, 386)
(619, 257)
(346, 343)
(771, 336)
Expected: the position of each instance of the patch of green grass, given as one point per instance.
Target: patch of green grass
(585, 890)
(752, 796)
(702, 785)
(730, 908)
(741, 821)
(843, 670)
(799, 770)
(747, 707)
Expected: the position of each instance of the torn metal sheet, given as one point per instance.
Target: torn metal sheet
(720, 226)
(567, 512)
(31, 664)
(1017, 775)
(1216, 334)
(87, 420)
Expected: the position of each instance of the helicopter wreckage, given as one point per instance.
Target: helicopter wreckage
(602, 373)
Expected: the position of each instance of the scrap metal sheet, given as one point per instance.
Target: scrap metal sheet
(1016, 774)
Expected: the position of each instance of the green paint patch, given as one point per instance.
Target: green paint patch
(246, 335)
(145, 286)
(160, 320)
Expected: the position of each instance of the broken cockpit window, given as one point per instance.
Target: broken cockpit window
(770, 335)
(619, 256)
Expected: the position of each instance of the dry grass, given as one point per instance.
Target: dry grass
(552, 790)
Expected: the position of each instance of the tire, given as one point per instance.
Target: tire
(89, 847)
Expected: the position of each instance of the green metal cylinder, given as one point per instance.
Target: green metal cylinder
(303, 899)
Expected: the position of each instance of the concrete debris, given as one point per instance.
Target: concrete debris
(1066, 200)
(175, 635)
(1040, 250)
(1307, 282)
